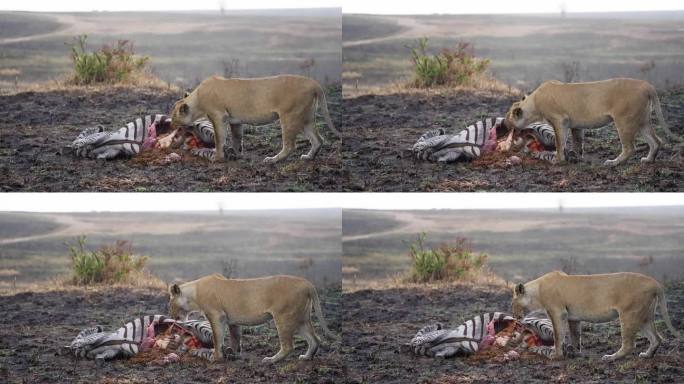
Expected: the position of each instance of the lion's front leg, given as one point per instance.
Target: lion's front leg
(216, 322)
(560, 130)
(236, 138)
(219, 121)
(235, 346)
(558, 318)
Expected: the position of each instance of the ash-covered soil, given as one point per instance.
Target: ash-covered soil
(377, 322)
(34, 327)
(36, 126)
(379, 130)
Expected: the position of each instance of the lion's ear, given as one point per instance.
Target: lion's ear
(186, 94)
(184, 109)
(520, 289)
(523, 98)
(517, 112)
(175, 290)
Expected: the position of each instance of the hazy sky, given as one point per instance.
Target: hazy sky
(352, 6)
(139, 202)
(504, 6)
(152, 5)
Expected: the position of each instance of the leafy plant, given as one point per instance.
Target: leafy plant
(109, 264)
(446, 262)
(454, 67)
(109, 64)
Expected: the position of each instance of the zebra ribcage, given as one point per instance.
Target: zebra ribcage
(201, 329)
(542, 327)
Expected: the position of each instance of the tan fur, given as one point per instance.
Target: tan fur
(288, 300)
(578, 106)
(233, 102)
(570, 299)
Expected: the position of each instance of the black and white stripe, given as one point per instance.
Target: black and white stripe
(127, 140)
(437, 146)
(93, 343)
(434, 341)
(542, 327)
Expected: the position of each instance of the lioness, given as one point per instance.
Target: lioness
(233, 102)
(577, 106)
(568, 300)
(286, 299)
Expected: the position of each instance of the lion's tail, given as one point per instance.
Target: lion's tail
(320, 95)
(662, 304)
(319, 313)
(655, 102)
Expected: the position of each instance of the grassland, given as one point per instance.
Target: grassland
(524, 49)
(520, 244)
(180, 246)
(184, 47)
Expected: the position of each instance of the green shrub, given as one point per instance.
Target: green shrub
(452, 67)
(447, 262)
(107, 65)
(109, 264)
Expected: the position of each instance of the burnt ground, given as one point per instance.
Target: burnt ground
(377, 322)
(34, 326)
(378, 130)
(35, 126)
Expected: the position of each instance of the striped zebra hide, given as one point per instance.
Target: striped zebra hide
(140, 334)
(468, 144)
(435, 341)
(135, 137)
(473, 335)
(479, 138)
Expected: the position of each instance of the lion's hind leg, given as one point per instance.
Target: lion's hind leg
(311, 133)
(312, 340)
(285, 335)
(653, 142)
(289, 134)
(629, 325)
(649, 330)
(627, 136)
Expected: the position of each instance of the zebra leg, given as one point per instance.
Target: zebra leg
(236, 138)
(106, 355)
(109, 153)
(235, 344)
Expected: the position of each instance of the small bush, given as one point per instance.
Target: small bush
(452, 67)
(108, 265)
(447, 262)
(107, 65)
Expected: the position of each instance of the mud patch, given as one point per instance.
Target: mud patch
(35, 325)
(377, 322)
(36, 126)
(378, 131)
